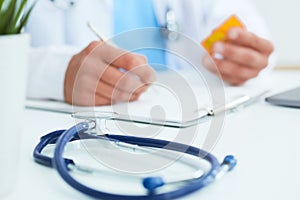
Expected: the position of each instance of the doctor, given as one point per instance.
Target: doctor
(68, 64)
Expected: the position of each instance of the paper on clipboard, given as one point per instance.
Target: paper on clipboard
(159, 106)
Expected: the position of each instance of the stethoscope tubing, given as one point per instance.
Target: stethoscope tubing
(61, 165)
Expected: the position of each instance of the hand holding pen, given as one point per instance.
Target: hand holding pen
(93, 76)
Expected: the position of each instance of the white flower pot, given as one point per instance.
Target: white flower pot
(14, 53)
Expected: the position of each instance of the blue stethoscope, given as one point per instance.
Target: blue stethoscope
(82, 131)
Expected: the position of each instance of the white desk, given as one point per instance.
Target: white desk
(264, 138)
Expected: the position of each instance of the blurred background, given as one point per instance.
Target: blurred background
(282, 18)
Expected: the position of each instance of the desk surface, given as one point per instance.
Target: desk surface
(264, 138)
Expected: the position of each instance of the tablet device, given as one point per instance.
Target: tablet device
(290, 98)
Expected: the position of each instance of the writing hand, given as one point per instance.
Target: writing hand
(93, 76)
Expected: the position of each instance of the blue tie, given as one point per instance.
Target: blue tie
(134, 15)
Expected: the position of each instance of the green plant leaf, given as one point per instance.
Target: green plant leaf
(12, 27)
(24, 20)
(1, 4)
(7, 16)
(14, 16)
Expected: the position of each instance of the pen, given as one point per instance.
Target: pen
(231, 105)
(93, 29)
(235, 104)
(241, 102)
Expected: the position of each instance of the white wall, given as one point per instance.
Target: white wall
(283, 20)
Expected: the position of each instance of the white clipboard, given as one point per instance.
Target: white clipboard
(203, 113)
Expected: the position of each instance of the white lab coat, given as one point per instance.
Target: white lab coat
(57, 33)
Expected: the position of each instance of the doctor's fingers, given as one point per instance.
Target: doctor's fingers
(90, 92)
(96, 70)
(81, 96)
(131, 62)
(114, 94)
(245, 38)
(125, 81)
(136, 64)
(231, 72)
(242, 55)
(80, 91)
